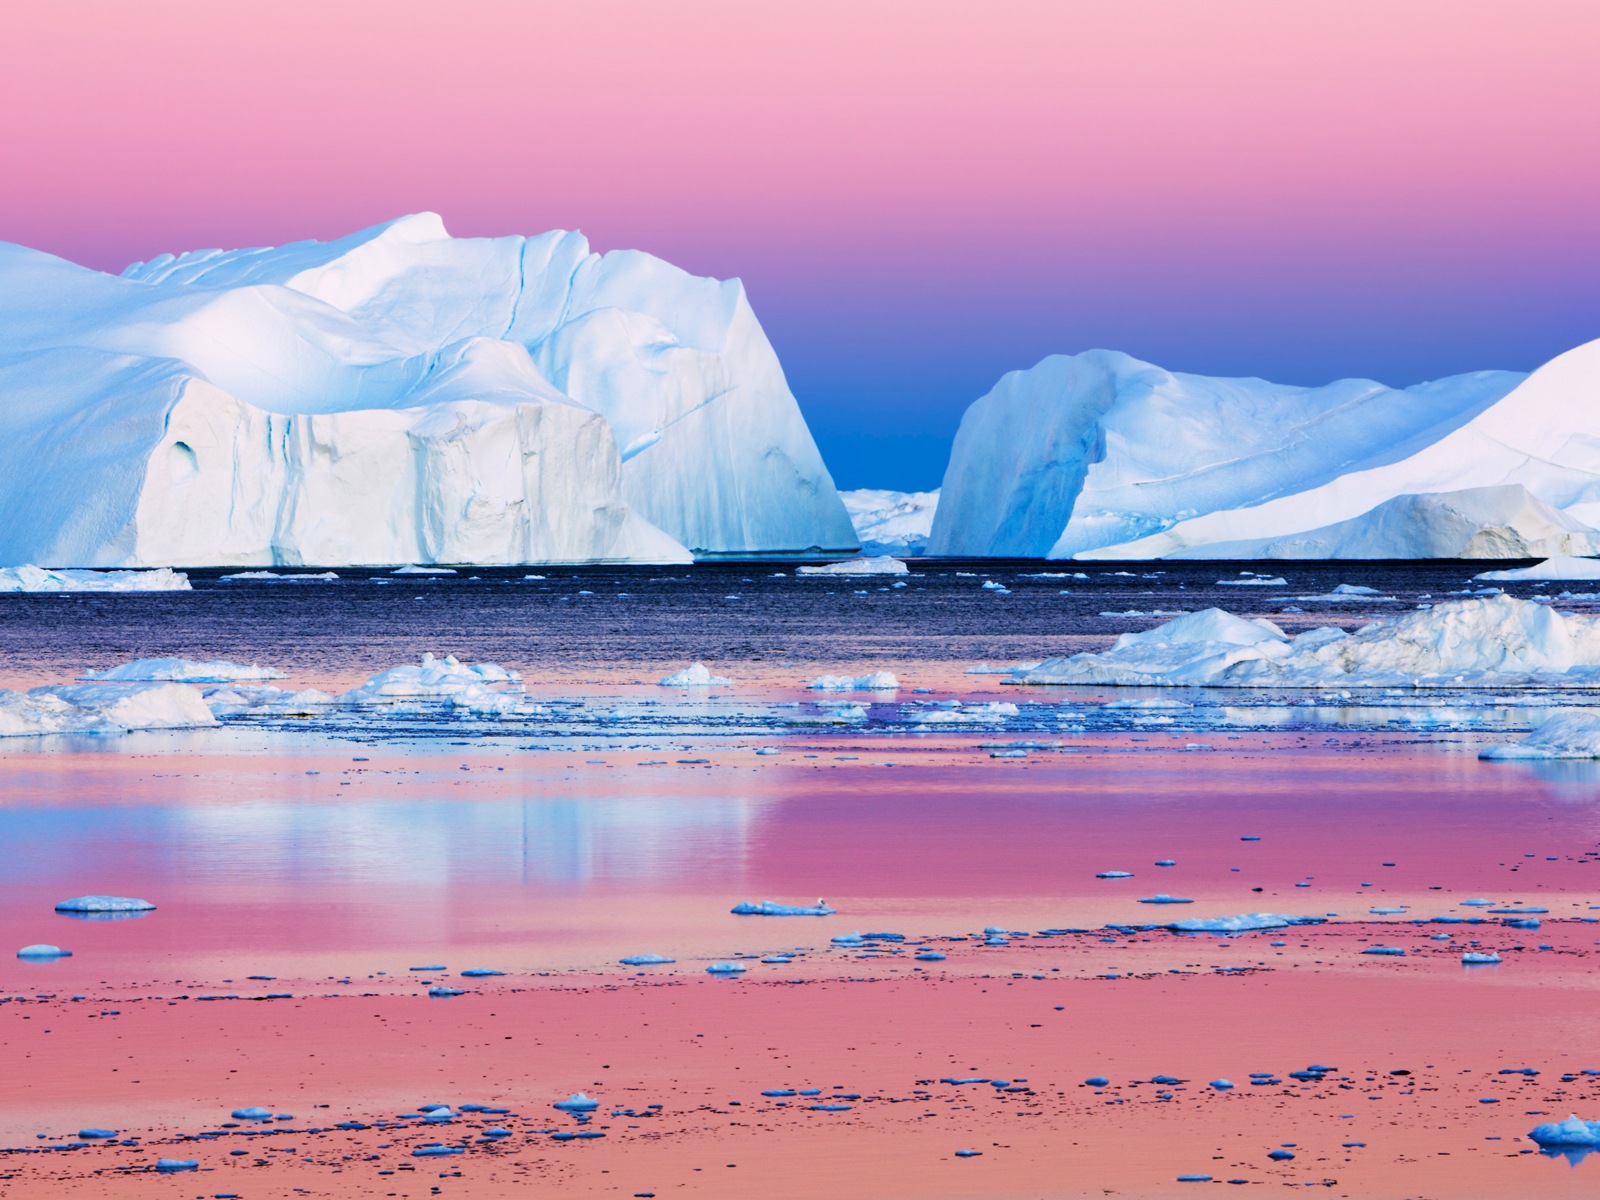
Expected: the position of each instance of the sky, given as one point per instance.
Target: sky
(919, 196)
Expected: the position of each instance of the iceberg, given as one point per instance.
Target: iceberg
(105, 904)
(181, 670)
(1496, 641)
(435, 679)
(883, 564)
(889, 522)
(878, 681)
(397, 396)
(695, 676)
(43, 953)
(1574, 1131)
(101, 708)
(1246, 923)
(1557, 567)
(1125, 460)
(770, 908)
(1560, 735)
(37, 579)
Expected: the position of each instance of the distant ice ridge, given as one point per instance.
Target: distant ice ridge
(1497, 641)
(37, 579)
(396, 396)
(101, 708)
(1126, 460)
(889, 522)
(1560, 735)
(883, 564)
(181, 670)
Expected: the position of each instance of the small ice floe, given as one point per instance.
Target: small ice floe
(1473, 958)
(1008, 754)
(1477, 902)
(1113, 875)
(1163, 898)
(1251, 579)
(480, 972)
(1390, 951)
(440, 992)
(1386, 912)
(878, 681)
(104, 905)
(1156, 704)
(882, 564)
(416, 570)
(929, 956)
(1166, 862)
(778, 958)
(577, 1102)
(1222, 1085)
(436, 1150)
(1562, 735)
(232, 700)
(853, 938)
(101, 708)
(1574, 1131)
(275, 577)
(984, 668)
(956, 713)
(771, 908)
(695, 676)
(182, 670)
(726, 968)
(994, 585)
(1559, 567)
(253, 1113)
(42, 952)
(436, 679)
(645, 960)
(94, 1134)
(1194, 1179)
(1244, 923)
(969, 1153)
(170, 1166)
(1097, 1081)
(38, 579)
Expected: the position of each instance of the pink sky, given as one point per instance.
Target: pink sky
(1237, 185)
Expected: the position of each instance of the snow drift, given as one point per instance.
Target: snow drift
(396, 396)
(1126, 460)
(1495, 642)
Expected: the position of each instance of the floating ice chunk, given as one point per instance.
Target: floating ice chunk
(253, 1113)
(1561, 735)
(1386, 912)
(1097, 1081)
(480, 972)
(435, 1150)
(1221, 1085)
(1254, 581)
(1240, 924)
(182, 670)
(274, 576)
(853, 938)
(434, 678)
(443, 993)
(101, 708)
(1391, 951)
(38, 579)
(969, 714)
(695, 676)
(1113, 875)
(1152, 704)
(1558, 567)
(230, 700)
(645, 960)
(97, 1134)
(1572, 1132)
(1478, 902)
(169, 1166)
(994, 585)
(929, 956)
(1473, 958)
(969, 1153)
(1163, 898)
(43, 952)
(1354, 589)
(878, 681)
(416, 570)
(104, 904)
(726, 968)
(771, 908)
(985, 669)
(882, 564)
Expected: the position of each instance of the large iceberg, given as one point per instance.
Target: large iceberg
(396, 396)
(1126, 460)
(888, 522)
(101, 708)
(1498, 641)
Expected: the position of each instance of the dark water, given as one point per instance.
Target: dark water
(580, 617)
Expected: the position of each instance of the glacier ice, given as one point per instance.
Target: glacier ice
(182, 670)
(1126, 460)
(396, 396)
(101, 708)
(1497, 641)
(1555, 567)
(883, 564)
(37, 579)
(697, 675)
(1560, 735)
(888, 522)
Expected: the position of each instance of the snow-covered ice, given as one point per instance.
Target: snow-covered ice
(1558, 567)
(1126, 460)
(888, 522)
(182, 670)
(38, 579)
(396, 396)
(882, 564)
(1560, 735)
(1497, 641)
(101, 708)
(697, 675)
(878, 681)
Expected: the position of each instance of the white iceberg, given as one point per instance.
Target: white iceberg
(1557, 567)
(1574, 1131)
(435, 679)
(1126, 460)
(38, 579)
(697, 675)
(104, 904)
(878, 681)
(1560, 735)
(182, 670)
(396, 396)
(883, 564)
(101, 708)
(888, 522)
(1498, 641)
